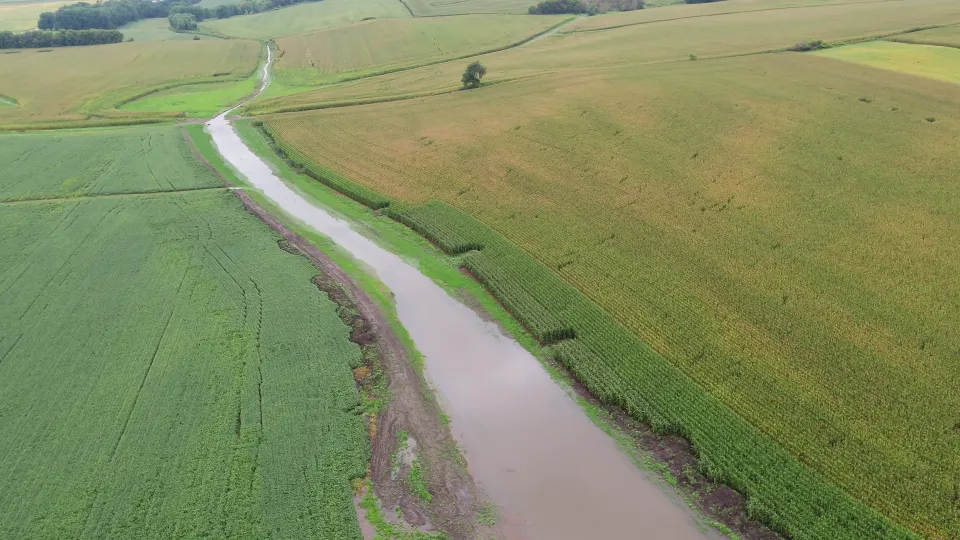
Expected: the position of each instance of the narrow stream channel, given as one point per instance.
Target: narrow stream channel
(553, 474)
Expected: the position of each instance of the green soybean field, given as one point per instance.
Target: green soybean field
(166, 370)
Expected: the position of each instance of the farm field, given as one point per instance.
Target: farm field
(936, 62)
(156, 30)
(679, 10)
(368, 47)
(704, 37)
(435, 8)
(751, 248)
(17, 17)
(129, 160)
(197, 383)
(304, 18)
(947, 37)
(70, 83)
(788, 245)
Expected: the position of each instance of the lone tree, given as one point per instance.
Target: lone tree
(473, 74)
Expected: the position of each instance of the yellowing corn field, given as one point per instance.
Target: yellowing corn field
(751, 219)
(72, 83)
(390, 44)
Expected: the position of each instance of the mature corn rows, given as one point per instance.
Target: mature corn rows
(330, 178)
(622, 371)
(165, 370)
(86, 83)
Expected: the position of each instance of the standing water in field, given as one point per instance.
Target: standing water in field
(552, 472)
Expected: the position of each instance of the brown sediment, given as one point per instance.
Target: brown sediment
(456, 499)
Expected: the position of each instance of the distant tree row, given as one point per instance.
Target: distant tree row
(182, 14)
(42, 39)
(553, 7)
(186, 17)
(106, 15)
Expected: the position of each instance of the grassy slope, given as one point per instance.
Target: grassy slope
(305, 17)
(196, 101)
(214, 400)
(70, 83)
(19, 17)
(705, 37)
(155, 30)
(695, 250)
(941, 63)
(317, 57)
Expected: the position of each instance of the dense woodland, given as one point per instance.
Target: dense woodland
(39, 39)
(108, 15)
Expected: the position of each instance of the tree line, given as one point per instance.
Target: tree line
(554, 7)
(41, 39)
(182, 14)
(107, 15)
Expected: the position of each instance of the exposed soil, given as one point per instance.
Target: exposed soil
(456, 500)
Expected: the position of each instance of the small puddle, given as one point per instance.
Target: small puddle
(551, 471)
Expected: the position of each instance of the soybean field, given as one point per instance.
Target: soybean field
(166, 370)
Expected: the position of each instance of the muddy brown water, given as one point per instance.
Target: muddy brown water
(553, 474)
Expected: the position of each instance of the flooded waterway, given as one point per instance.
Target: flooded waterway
(553, 474)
